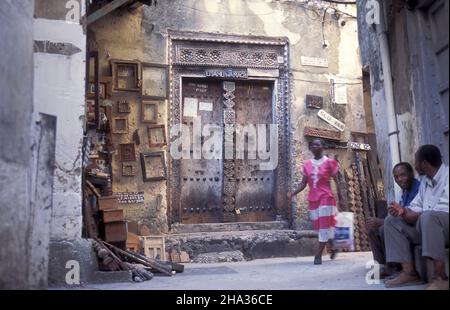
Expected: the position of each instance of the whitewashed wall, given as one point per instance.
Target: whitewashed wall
(59, 89)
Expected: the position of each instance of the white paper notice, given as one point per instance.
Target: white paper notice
(314, 61)
(340, 94)
(190, 107)
(205, 106)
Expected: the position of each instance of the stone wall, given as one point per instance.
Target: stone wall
(16, 106)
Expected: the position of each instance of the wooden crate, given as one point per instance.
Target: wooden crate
(113, 215)
(116, 231)
(108, 203)
(133, 242)
(154, 246)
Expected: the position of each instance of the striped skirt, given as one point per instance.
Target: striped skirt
(323, 215)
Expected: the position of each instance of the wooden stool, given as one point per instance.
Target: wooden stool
(154, 246)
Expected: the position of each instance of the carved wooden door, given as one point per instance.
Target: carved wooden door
(231, 186)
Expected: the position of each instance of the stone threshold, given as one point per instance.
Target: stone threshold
(235, 226)
(254, 244)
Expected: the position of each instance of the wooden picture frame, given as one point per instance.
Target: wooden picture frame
(123, 106)
(155, 81)
(127, 152)
(90, 113)
(156, 135)
(153, 166)
(126, 75)
(120, 125)
(149, 111)
(129, 169)
(103, 88)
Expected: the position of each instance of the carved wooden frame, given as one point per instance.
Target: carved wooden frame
(165, 70)
(282, 84)
(158, 176)
(115, 64)
(322, 133)
(129, 169)
(114, 125)
(91, 92)
(123, 152)
(154, 103)
(162, 130)
(123, 106)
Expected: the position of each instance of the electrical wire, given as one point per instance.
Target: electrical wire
(303, 5)
(327, 82)
(226, 14)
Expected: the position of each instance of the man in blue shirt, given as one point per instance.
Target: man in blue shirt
(404, 177)
(425, 222)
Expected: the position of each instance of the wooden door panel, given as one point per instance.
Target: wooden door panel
(201, 179)
(255, 188)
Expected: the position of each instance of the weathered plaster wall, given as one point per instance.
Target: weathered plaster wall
(414, 82)
(122, 35)
(369, 47)
(142, 35)
(16, 106)
(60, 90)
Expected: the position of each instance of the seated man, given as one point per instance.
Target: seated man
(425, 222)
(404, 176)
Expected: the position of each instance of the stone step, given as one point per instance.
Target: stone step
(254, 244)
(219, 257)
(237, 226)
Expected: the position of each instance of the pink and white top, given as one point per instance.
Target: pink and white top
(319, 173)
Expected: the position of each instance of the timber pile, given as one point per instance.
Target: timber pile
(112, 258)
(360, 199)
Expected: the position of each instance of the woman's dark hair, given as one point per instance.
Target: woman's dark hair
(407, 166)
(316, 139)
(431, 154)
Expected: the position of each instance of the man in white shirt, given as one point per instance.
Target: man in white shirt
(425, 222)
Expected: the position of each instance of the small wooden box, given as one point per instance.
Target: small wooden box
(108, 203)
(133, 242)
(115, 231)
(154, 247)
(113, 215)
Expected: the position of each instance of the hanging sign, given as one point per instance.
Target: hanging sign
(331, 120)
(314, 61)
(130, 197)
(314, 102)
(359, 146)
(227, 73)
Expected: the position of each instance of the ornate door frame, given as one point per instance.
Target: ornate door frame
(264, 58)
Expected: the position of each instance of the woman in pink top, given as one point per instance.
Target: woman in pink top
(317, 173)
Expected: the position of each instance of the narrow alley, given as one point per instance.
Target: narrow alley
(224, 145)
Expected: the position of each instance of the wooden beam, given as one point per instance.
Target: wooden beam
(106, 10)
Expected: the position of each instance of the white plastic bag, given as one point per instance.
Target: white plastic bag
(343, 234)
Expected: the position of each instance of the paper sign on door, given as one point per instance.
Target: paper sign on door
(190, 107)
